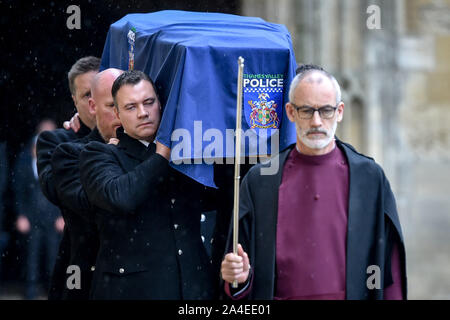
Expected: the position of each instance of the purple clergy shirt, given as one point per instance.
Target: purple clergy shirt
(312, 227)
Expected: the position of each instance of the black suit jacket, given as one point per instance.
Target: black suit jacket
(373, 225)
(77, 213)
(149, 223)
(46, 145)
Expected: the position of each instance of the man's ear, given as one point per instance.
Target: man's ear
(290, 112)
(92, 107)
(116, 111)
(340, 111)
(74, 100)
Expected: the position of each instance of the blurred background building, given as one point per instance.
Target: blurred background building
(391, 57)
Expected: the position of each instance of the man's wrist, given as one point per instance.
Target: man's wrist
(242, 286)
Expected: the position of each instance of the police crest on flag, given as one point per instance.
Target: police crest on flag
(263, 100)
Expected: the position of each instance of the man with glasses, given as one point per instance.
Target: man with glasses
(326, 225)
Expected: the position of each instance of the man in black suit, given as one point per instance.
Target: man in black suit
(80, 77)
(148, 214)
(77, 210)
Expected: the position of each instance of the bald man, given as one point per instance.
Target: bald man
(76, 209)
(326, 225)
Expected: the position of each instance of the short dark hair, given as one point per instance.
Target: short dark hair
(132, 77)
(83, 65)
(305, 67)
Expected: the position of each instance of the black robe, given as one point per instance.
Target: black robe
(373, 226)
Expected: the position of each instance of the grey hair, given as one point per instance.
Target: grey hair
(300, 76)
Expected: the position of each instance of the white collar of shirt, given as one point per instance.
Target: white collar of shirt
(145, 143)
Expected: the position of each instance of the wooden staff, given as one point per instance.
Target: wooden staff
(237, 159)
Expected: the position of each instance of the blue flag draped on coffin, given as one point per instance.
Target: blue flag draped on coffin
(192, 58)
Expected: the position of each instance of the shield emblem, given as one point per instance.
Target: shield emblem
(263, 101)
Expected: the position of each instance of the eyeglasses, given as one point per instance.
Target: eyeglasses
(307, 112)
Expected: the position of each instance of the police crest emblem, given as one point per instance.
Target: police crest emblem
(263, 98)
(263, 113)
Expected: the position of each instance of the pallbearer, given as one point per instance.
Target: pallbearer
(148, 214)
